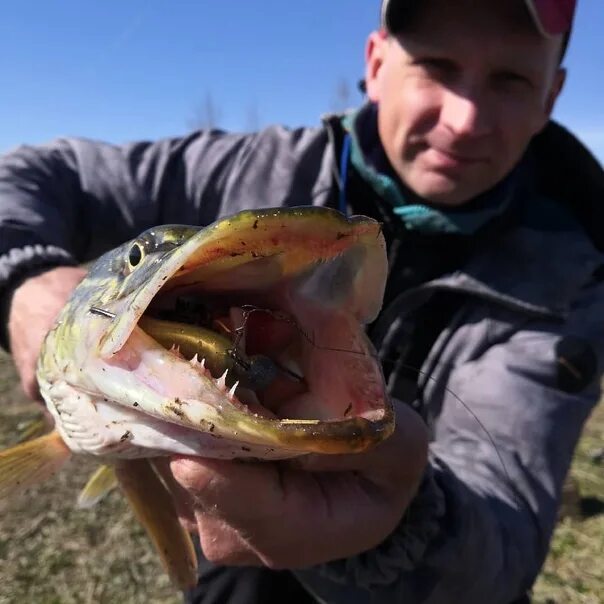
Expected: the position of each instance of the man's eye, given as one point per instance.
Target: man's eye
(434, 63)
(439, 69)
(512, 79)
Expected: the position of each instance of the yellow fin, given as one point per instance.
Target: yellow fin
(98, 485)
(31, 462)
(154, 508)
(32, 428)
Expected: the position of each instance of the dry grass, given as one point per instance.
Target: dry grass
(52, 553)
(574, 571)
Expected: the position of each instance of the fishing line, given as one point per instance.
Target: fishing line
(239, 333)
(250, 309)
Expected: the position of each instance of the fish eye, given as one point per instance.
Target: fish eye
(135, 255)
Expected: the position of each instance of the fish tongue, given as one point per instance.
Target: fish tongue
(250, 400)
(304, 406)
(270, 333)
(266, 332)
(281, 390)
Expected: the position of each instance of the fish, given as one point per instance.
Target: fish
(243, 339)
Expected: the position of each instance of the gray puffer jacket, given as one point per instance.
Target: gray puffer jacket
(523, 350)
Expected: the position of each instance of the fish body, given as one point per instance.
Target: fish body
(268, 360)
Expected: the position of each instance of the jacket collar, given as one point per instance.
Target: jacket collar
(535, 267)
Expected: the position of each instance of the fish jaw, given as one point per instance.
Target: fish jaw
(325, 271)
(168, 405)
(257, 250)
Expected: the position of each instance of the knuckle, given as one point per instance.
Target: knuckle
(191, 477)
(276, 564)
(227, 554)
(213, 554)
(279, 557)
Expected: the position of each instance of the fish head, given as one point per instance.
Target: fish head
(292, 285)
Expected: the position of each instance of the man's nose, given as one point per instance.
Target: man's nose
(465, 113)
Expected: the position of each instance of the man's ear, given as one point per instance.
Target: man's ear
(554, 92)
(375, 50)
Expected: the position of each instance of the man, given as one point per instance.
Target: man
(495, 291)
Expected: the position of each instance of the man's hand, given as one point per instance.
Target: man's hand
(306, 511)
(34, 307)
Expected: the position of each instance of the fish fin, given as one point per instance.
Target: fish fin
(32, 428)
(31, 462)
(99, 484)
(154, 507)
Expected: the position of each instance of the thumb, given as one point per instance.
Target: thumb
(402, 456)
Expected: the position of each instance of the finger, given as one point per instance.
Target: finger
(33, 308)
(210, 483)
(25, 360)
(228, 498)
(222, 544)
(294, 518)
(29, 384)
(289, 519)
(183, 501)
(382, 465)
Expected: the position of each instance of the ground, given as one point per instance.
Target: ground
(53, 553)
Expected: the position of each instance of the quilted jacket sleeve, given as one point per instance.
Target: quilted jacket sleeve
(479, 529)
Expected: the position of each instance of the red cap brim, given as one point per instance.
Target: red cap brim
(553, 17)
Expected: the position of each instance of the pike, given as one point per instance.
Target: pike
(243, 339)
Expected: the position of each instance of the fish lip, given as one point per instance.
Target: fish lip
(334, 436)
(238, 424)
(338, 436)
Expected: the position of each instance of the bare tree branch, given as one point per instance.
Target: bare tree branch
(342, 96)
(206, 116)
(253, 118)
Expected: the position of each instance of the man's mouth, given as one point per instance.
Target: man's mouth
(447, 159)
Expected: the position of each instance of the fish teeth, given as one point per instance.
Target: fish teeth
(231, 394)
(198, 365)
(221, 381)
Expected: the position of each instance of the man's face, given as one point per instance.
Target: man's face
(460, 94)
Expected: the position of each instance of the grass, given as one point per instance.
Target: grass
(574, 570)
(53, 553)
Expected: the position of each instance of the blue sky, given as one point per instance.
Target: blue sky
(133, 69)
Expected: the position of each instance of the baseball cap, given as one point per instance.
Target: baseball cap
(552, 17)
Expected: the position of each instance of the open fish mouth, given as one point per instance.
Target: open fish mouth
(251, 330)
